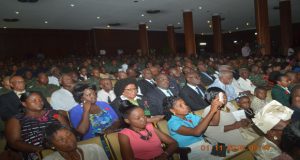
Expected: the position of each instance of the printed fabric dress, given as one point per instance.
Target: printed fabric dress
(32, 130)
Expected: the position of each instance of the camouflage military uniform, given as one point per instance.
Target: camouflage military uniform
(258, 80)
(94, 81)
(45, 90)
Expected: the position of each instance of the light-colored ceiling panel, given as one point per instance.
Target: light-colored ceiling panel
(83, 15)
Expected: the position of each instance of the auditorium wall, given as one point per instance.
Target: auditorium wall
(55, 43)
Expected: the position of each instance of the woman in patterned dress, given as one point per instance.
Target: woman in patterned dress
(91, 117)
(25, 131)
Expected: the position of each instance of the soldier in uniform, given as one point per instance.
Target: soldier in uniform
(42, 86)
(5, 85)
(95, 78)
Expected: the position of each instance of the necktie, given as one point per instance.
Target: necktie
(170, 93)
(199, 91)
(108, 100)
(153, 83)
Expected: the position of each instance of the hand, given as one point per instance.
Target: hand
(215, 105)
(163, 156)
(86, 106)
(242, 123)
(245, 122)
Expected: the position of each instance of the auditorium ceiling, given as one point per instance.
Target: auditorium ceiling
(127, 14)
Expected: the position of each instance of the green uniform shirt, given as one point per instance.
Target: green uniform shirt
(45, 90)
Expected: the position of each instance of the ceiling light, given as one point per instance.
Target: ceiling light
(98, 17)
(4, 27)
(108, 26)
(46, 22)
(208, 21)
(17, 12)
(200, 7)
(229, 31)
(150, 21)
(178, 22)
(147, 27)
(202, 43)
(237, 28)
(142, 15)
(72, 5)
(247, 24)
(235, 42)
(255, 33)
(210, 26)
(202, 33)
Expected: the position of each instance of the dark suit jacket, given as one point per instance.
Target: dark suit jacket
(155, 99)
(145, 86)
(205, 80)
(192, 98)
(280, 95)
(174, 86)
(11, 105)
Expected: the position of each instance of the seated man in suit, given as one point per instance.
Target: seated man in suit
(280, 91)
(155, 97)
(205, 77)
(10, 103)
(177, 77)
(147, 83)
(193, 93)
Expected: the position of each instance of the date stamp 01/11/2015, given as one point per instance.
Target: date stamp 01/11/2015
(234, 148)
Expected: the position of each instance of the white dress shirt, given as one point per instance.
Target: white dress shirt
(246, 85)
(195, 89)
(167, 92)
(53, 80)
(102, 95)
(62, 99)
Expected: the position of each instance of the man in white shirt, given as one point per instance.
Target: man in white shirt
(107, 93)
(244, 81)
(63, 99)
(246, 50)
(225, 83)
(54, 76)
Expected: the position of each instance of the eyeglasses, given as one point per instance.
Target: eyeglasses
(17, 81)
(130, 89)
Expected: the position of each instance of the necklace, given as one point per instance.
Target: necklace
(144, 137)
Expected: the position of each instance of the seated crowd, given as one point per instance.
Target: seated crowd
(206, 103)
